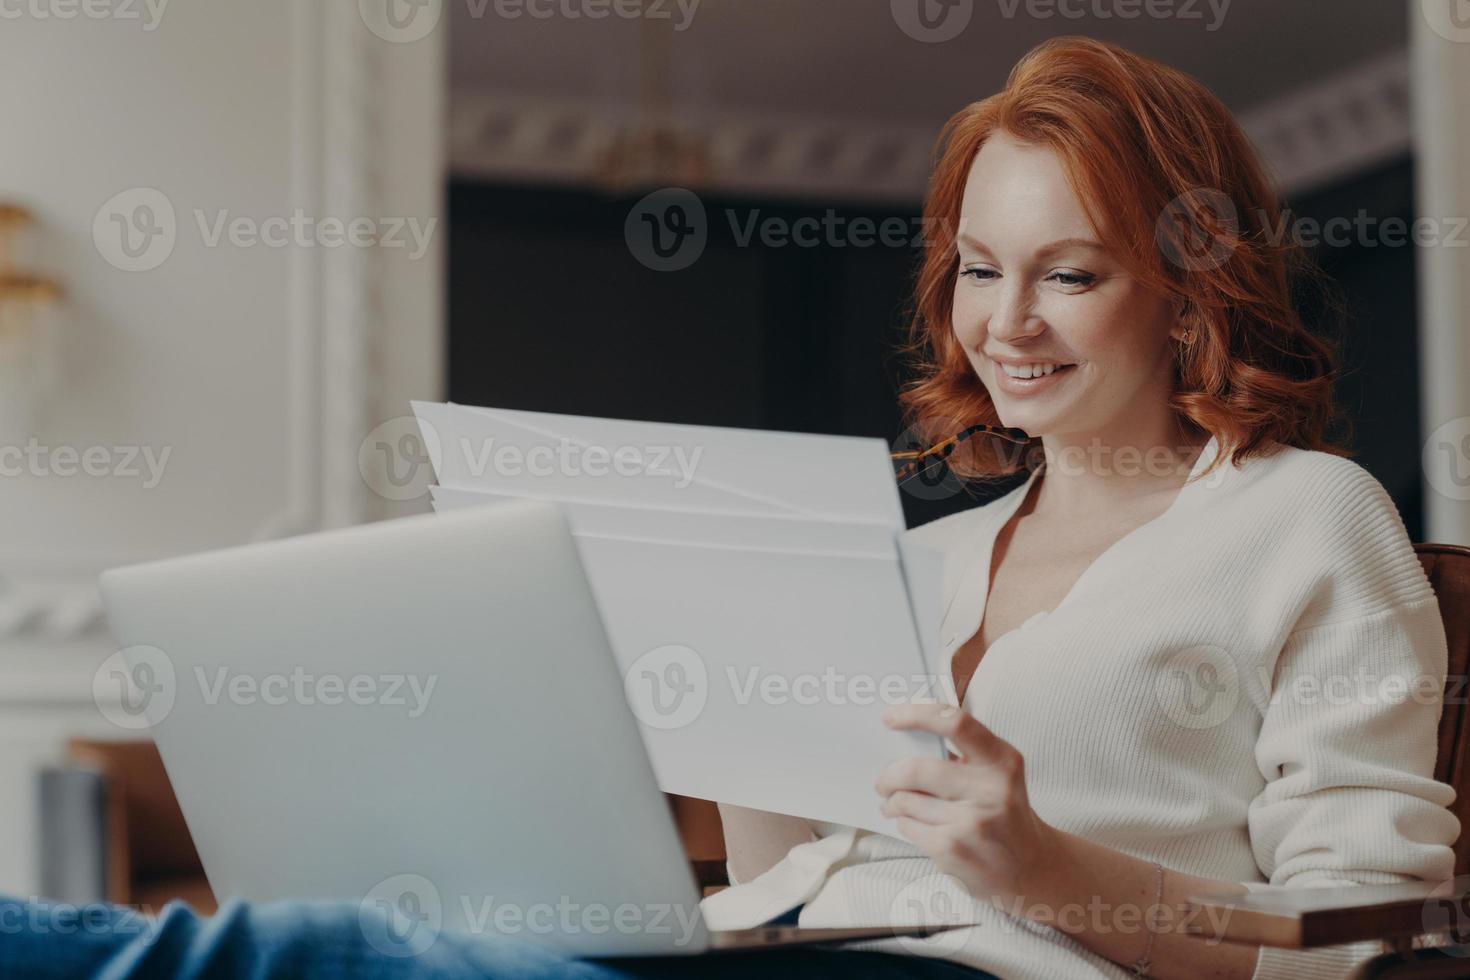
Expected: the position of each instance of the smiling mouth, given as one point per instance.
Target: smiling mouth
(1026, 372)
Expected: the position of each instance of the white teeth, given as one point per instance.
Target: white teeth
(1029, 370)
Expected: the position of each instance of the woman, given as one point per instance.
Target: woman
(1142, 632)
(1146, 631)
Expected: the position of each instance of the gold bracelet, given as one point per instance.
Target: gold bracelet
(1142, 965)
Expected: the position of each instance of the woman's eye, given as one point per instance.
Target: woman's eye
(1073, 278)
(1062, 277)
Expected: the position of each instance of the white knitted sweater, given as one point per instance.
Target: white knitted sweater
(1245, 688)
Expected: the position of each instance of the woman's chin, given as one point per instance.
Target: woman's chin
(1034, 423)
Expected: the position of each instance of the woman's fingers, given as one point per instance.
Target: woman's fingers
(935, 777)
(920, 807)
(925, 836)
(975, 742)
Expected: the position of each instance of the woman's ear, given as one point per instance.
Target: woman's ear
(1182, 329)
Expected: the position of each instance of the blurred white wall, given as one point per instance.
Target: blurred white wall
(1441, 64)
(222, 387)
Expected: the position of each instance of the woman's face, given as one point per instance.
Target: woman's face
(1065, 341)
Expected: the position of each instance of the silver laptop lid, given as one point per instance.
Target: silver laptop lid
(423, 715)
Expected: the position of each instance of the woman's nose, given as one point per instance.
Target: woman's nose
(1013, 319)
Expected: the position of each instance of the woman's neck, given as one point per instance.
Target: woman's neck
(1095, 471)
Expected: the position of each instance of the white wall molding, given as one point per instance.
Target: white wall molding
(1309, 137)
(1336, 127)
(49, 611)
(353, 91)
(302, 440)
(522, 139)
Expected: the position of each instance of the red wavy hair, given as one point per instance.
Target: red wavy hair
(1176, 192)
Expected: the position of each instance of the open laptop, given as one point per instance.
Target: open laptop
(422, 715)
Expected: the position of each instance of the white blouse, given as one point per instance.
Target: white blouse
(1245, 688)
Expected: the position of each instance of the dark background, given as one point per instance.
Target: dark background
(550, 311)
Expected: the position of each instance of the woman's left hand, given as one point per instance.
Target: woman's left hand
(970, 812)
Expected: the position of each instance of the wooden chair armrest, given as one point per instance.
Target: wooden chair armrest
(1301, 918)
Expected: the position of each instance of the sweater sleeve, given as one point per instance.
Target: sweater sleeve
(1348, 738)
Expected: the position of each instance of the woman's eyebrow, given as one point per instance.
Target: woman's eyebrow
(1048, 249)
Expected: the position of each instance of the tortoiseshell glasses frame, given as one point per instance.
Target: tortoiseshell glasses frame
(914, 460)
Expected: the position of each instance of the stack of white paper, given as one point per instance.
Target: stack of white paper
(754, 586)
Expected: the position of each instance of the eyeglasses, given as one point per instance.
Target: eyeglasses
(916, 459)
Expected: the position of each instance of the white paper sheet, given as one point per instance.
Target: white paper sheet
(648, 464)
(759, 646)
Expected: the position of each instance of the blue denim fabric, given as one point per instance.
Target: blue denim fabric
(41, 941)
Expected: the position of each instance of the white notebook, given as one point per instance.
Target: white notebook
(756, 587)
